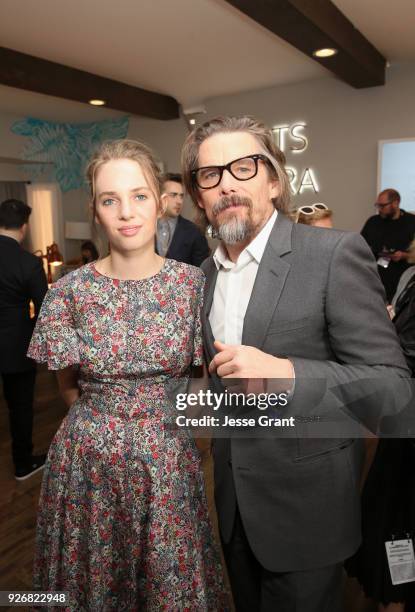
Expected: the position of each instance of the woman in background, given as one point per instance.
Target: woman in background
(315, 214)
(123, 521)
(88, 252)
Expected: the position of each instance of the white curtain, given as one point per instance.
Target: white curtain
(46, 220)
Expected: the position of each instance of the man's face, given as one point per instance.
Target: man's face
(386, 206)
(173, 198)
(237, 209)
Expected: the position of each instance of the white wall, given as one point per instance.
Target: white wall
(10, 146)
(344, 126)
(165, 137)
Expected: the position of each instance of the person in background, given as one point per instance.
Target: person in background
(389, 234)
(123, 521)
(405, 278)
(89, 252)
(177, 237)
(318, 215)
(388, 497)
(22, 280)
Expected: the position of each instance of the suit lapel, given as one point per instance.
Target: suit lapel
(176, 238)
(269, 283)
(211, 276)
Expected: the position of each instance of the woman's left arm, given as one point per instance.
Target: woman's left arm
(68, 385)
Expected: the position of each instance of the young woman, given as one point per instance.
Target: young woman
(123, 521)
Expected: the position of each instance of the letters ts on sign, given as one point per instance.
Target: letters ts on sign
(292, 139)
(293, 135)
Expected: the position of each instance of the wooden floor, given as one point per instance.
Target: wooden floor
(18, 500)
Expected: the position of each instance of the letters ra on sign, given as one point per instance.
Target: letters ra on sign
(292, 139)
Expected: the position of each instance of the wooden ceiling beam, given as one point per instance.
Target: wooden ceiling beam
(42, 76)
(313, 24)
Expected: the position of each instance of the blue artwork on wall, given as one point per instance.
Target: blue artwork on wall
(68, 146)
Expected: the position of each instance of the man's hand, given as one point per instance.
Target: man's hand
(391, 310)
(399, 256)
(239, 361)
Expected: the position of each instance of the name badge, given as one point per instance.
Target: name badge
(401, 560)
(383, 262)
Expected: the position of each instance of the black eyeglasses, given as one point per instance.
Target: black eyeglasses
(242, 169)
(379, 205)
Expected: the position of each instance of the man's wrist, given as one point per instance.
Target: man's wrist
(285, 381)
(286, 368)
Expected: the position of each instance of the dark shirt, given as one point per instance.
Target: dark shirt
(393, 235)
(22, 279)
(405, 322)
(188, 244)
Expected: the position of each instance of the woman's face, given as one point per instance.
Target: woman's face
(125, 205)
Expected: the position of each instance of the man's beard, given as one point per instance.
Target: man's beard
(235, 229)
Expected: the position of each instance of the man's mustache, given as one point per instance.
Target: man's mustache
(229, 201)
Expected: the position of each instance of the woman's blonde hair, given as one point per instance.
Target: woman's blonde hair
(311, 219)
(123, 149)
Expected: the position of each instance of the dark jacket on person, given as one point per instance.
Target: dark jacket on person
(188, 244)
(317, 300)
(392, 235)
(404, 321)
(22, 279)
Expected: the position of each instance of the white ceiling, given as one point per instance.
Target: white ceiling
(189, 49)
(388, 24)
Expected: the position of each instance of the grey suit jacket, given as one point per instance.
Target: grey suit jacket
(318, 300)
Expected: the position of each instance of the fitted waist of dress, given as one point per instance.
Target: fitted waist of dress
(135, 398)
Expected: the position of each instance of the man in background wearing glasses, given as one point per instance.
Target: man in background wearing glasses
(389, 234)
(285, 301)
(177, 237)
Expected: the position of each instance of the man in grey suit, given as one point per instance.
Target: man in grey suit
(302, 304)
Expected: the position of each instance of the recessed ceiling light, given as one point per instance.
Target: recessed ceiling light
(325, 52)
(192, 121)
(97, 102)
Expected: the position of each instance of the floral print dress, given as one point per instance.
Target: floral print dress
(123, 522)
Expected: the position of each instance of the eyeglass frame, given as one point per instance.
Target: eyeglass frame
(382, 206)
(256, 157)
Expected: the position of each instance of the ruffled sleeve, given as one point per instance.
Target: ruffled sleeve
(55, 340)
(198, 337)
